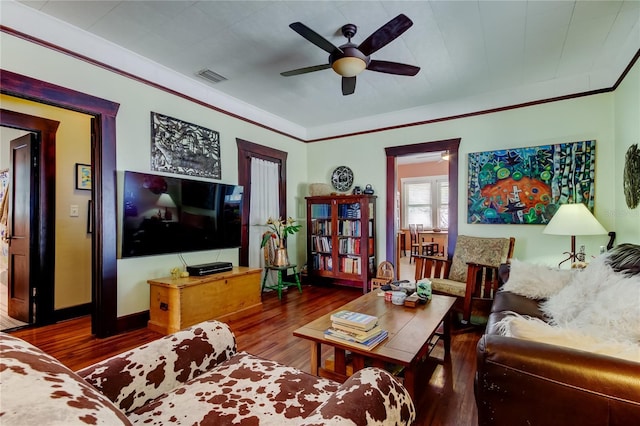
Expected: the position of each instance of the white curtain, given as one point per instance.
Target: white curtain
(264, 203)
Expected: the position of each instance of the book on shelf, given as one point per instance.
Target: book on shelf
(349, 211)
(320, 210)
(348, 332)
(356, 320)
(367, 345)
(350, 265)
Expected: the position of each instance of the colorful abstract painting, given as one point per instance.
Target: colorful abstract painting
(528, 185)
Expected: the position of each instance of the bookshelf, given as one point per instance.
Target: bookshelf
(341, 240)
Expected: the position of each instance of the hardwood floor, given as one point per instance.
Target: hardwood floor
(447, 400)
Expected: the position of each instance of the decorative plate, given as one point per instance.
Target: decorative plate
(342, 178)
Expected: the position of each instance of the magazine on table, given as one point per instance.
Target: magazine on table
(366, 345)
(347, 332)
(357, 320)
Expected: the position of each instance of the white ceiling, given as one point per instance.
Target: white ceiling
(473, 55)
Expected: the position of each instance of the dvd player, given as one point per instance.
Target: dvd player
(209, 268)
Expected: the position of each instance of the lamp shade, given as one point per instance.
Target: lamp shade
(349, 66)
(574, 219)
(165, 200)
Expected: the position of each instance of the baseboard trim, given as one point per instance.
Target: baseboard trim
(132, 321)
(71, 312)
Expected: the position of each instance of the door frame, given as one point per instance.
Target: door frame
(451, 145)
(104, 321)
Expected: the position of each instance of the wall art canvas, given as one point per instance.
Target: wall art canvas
(184, 148)
(528, 185)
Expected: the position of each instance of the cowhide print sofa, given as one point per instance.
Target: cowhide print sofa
(194, 376)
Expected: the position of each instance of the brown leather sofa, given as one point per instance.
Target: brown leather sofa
(521, 382)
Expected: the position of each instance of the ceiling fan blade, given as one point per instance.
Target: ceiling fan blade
(393, 68)
(305, 70)
(348, 85)
(314, 37)
(385, 34)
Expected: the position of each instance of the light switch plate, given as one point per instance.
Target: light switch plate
(74, 211)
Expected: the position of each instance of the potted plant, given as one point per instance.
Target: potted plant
(279, 230)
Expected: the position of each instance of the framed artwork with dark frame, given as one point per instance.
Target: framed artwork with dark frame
(527, 185)
(83, 176)
(184, 148)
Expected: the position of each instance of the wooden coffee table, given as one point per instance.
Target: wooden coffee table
(413, 332)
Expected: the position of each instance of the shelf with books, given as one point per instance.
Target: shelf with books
(341, 227)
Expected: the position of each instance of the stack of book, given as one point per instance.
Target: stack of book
(355, 329)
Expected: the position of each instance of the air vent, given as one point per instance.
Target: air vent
(211, 76)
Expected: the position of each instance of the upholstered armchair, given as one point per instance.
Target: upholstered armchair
(472, 273)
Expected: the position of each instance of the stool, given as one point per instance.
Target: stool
(281, 283)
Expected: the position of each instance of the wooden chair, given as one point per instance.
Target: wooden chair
(418, 246)
(471, 275)
(384, 275)
(415, 243)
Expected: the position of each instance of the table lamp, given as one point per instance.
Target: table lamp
(573, 219)
(167, 202)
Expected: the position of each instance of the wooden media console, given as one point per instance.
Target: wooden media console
(176, 303)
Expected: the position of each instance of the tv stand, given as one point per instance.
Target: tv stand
(176, 303)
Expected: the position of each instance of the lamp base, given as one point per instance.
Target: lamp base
(572, 254)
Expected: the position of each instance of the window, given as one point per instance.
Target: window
(426, 201)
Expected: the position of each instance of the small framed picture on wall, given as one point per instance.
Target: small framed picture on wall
(83, 176)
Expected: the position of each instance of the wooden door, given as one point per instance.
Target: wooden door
(20, 304)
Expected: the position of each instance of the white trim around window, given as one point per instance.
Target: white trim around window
(425, 200)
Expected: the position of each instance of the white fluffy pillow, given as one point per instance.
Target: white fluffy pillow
(580, 292)
(536, 281)
(537, 330)
(615, 311)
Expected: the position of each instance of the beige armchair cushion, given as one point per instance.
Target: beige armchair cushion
(443, 285)
(485, 251)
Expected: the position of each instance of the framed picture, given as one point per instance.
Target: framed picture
(83, 176)
(184, 148)
(528, 185)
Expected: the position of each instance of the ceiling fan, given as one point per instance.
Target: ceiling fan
(350, 60)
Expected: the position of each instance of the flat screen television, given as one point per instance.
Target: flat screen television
(164, 214)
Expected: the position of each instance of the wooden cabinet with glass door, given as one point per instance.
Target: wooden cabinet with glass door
(341, 239)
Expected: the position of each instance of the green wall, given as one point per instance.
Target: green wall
(611, 119)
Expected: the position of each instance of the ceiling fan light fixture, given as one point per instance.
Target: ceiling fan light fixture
(349, 66)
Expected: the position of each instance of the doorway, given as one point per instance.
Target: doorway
(7, 300)
(392, 225)
(41, 226)
(58, 286)
(104, 321)
(422, 208)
